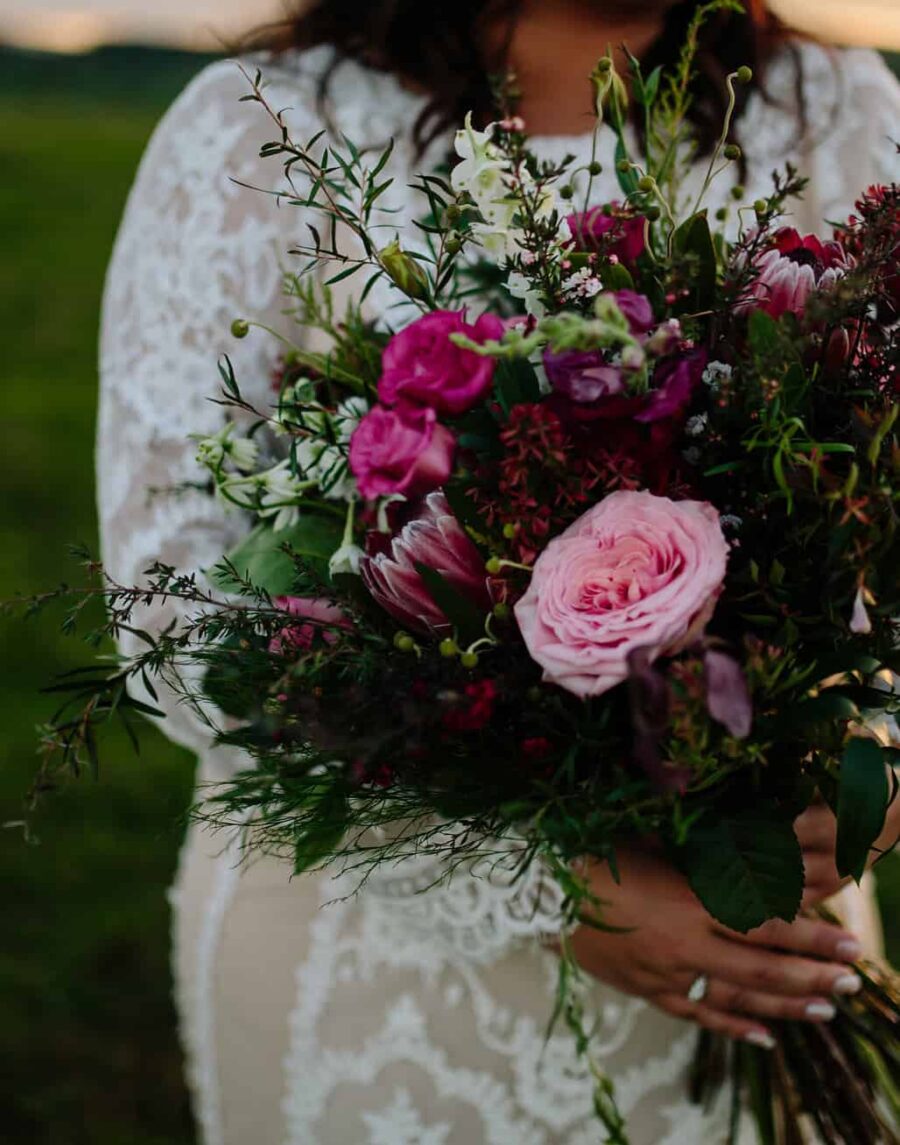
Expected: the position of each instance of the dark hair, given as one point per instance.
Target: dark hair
(440, 48)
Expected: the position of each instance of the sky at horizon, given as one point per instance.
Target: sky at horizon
(73, 25)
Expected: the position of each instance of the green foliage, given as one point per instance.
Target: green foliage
(745, 866)
(272, 561)
(862, 804)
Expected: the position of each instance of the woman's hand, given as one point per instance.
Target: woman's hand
(817, 832)
(780, 971)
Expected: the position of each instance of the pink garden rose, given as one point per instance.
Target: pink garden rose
(403, 450)
(637, 571)
(792, 269)
(436, 539)
(316, 616)
(422, 365)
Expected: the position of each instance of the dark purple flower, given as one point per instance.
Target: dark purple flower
(621, 233)
(727, 694)
(673, 386)
(649, 696)
(582, 375)
(637, 310)
(437, 540)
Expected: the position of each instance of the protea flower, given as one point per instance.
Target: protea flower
(792, 269)
(436, 539)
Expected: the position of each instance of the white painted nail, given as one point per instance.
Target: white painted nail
(760, 1039)
(847, 984)
(849, 950)
(821, 1011)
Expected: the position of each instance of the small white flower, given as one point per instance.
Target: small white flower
(244, 454)
(520, 287)
(697, 425)
(582, 284)
(281, 493)
(716, 373)
(860, 621)
(346, 560)
(213, 451)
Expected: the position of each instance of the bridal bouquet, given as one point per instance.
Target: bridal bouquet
(592, 538)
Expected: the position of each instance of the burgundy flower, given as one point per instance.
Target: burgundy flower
(673, 386)
(436, 539)
(403, 450)
(422, 365)
(475, 710)
(793, 268)
(582, 375)
(727, 695)
(619, 233)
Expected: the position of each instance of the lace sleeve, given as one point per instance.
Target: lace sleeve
(195, 250)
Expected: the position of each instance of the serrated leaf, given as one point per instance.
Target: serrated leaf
(745, 866)
(261, 557)
(863, 796)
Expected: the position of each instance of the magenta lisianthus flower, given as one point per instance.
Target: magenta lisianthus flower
(791, 269)
(622, 232)
(674, 383)
(422, 365)
(403, 450)
(437, 540)
(636, 572)
(317, 616)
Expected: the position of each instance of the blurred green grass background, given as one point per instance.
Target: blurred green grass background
(88, 1048)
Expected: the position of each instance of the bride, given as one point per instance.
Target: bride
(396, 1017)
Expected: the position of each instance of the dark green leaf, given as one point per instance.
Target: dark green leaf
(763, 331)
(617, 277)
(628, 180)
(692, 240)
(465, 616)
(321, 839)
(516, 382)
(824, 708)
(745, 866)
(862, 805)
(262, 559)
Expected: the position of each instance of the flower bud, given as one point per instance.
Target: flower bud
(761, 206)
(493, 567)
(567, 192)
(510, 531)
(744, 75)
(595, 168)
(501, 610)
(624, 166)
(453, 245)
(404, 271)
(732, 152)
(448, 649)
(240, 328)
(403, 642)
(469, 660)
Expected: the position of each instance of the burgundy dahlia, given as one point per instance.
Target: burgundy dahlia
(437, 540)
(792, 269)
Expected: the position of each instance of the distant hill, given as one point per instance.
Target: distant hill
(123, 73)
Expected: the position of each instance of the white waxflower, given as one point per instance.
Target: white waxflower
(520, 287)
(582, 284)
(346, 560)
(697, 425)
(213, 451)
(279, 497)
(716, 373)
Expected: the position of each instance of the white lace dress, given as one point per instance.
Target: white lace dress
(392, 1018)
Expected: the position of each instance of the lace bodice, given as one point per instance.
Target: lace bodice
(199, 247)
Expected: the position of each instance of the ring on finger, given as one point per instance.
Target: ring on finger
(699, 988)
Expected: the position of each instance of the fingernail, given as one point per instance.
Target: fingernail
(821, 1011)
(760, 1039)
(849, 950)
(847, 984)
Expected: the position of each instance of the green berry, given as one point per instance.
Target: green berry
(448, 649)
(240, 328)
(567, 192)
(494, 566)
(453, 245)
(732, 152)
(604, 64)
(744, 75)
(595, 168)
(653, 214)
(737, 192)
(510, 531)
(403, 642)
(501, 611)
(646, 184)
(624, 166)
(454, 212)
(722, 214)
(761, 206)
(469, 660)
